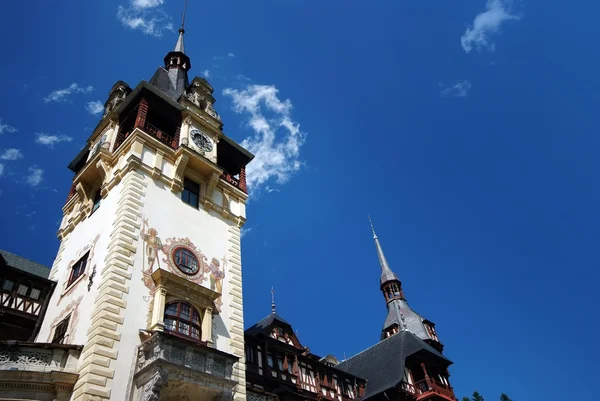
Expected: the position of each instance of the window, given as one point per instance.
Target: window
(97, 200)
(186, 261)
(250, 354)
(191, 192)
(182, 319)
(60, 331)
(8, 285)
(78, 268)
(22, 290)
(35, 293)
(270, 360)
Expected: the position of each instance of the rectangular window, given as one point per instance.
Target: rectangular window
(35, 293)
(60, 331)
(22, 290)
(78, 268)
(191, 192)
(270, 360)
(97, 200)
(8, 285)
(250, 354)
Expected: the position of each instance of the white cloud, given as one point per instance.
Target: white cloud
(486, 23)
(1, 170)
(95, 107)
(269, 189)
(35, 177)
(6, 128)
(460, 89)
(277, 139)
(231, 55)
(244, 231)
(51, 140)
(145, 15)
(206, 73)
(11, 154)
(147, 3)
(60, 95)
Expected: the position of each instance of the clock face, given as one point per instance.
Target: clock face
(201, 140)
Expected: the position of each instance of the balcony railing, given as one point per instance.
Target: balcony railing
(408, 388)
(426, 388)
(162, 136)
(236, 182)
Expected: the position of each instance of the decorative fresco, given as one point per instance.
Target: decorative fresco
(181, 257)
(71, 309)
(90, 271)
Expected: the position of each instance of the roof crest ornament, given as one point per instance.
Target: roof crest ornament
(179, 45)
(272, 300)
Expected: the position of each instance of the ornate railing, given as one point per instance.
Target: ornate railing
(72, 192)
(427, 386)
(236, 182)
(408, 388)
(38, 357)
(162, 136)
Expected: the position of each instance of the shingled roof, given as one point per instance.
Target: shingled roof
(266, 322)
(382, 365)
(26, 265)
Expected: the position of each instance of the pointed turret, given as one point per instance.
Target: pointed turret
(386, 273)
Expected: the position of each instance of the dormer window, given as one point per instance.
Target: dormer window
(431, 331)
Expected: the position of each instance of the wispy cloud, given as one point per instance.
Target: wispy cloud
(6, 128)
(459, 89)
(1, 169)
(269, 189)
(145, 15)
(60, 95)
(486, 23)
(51, 140)
(244, 231)
(231, 55)
(206, 73)
(277, 138)
(35, 177)
(11, 154)
(95, 107)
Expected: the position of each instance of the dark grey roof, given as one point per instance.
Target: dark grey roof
(382, 365)
(172, 82)
(26, 265)
(266, 322)
(400, 313)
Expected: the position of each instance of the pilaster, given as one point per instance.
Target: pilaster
(97, 364)
(237, 314)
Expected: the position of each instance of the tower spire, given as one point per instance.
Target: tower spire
(179, 45)
(272, 300)
(386, 273)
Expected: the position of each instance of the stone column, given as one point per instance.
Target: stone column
(207, 326)
(158, 311)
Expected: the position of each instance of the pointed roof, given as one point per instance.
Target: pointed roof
(179, 45)
(265, 323)
(386, 273)
(382, 365)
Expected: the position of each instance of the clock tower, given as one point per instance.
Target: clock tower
(148, 270)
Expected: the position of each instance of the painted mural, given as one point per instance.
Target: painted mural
(172, 253)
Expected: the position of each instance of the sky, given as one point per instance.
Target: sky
(467, 130)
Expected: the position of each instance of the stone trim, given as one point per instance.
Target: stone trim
(96, 369)
(237, 315)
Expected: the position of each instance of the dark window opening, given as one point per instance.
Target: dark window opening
(191, 193)
(60, 331)
(78, 268)
(97, 200)
(182, 319)
(186, 261)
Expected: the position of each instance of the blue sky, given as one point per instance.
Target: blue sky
(466, 129)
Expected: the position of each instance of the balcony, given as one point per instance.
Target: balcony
(48, 371)
(430, 388)
(163, 358)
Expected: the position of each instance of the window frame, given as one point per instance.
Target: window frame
(178, 318)
(186, 191)
(59, 339)
(188, 250)
(97, 200)
(77, 266)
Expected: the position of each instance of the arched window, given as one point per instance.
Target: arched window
(182, 319)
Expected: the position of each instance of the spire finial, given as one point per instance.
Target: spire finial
(183, 17)
(179, 45)
(372, 228)
(273, 300)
